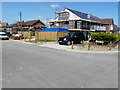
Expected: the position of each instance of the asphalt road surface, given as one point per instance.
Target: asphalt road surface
(32, 66)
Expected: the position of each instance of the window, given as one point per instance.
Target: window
(72, 24)
(64, 16)
(111, 27)
(78, 24)
(66, 22)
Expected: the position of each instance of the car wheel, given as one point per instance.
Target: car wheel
(60, 44)
(68, 42)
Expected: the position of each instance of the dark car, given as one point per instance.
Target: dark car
(76, 37)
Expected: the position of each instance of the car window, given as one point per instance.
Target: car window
(69, 34)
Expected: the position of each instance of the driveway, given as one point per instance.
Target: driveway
(79, 48)
(32, 66)
(56, 45)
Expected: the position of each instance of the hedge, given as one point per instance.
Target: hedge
(106, 37)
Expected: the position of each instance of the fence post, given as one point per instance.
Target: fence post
(36, 35)
(45, 36)
(57, 35)
(30, 37)
(89, 46)
(83, 44)
(72, 45)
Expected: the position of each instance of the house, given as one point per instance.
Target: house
(3, 26)
(78, 21)
(32, 25)
(36, 24)
(116, 29)
(108, 23)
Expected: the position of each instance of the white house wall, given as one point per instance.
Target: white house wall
(56, 19)
(72, 16)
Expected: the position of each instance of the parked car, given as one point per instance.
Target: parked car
(18, 35)
(76, 37)
(3, 36)
(8, 34)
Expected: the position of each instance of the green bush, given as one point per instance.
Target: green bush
(25, 37)
(14, 33)
(106, 37)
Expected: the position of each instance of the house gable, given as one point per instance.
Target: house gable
(72, 16)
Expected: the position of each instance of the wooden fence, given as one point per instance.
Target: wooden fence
(25, 34)
(49, 35)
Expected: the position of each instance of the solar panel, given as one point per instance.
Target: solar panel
(83, 15)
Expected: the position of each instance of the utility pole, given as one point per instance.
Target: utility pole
(20, 22)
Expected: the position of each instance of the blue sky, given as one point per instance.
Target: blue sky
(43, 10)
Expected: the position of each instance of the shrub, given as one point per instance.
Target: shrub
(106, 37)
(24, 37)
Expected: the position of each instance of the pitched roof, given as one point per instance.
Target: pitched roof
(95, 17)
(92, 17)
(4, 24)
(104, 21)
(31, 22)
(83, 15)
(107, 21)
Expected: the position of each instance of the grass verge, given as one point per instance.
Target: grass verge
(36, 41)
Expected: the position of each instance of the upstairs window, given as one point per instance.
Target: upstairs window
(64, 16)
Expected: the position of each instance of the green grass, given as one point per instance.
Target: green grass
(36, 41)
(10, 37)
(46, 40)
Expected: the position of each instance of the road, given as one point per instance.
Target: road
(32, 66)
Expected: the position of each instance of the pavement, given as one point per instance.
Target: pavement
(32, 66)
(77, 47)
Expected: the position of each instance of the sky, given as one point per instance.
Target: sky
(43, 10)
(60, 0)
(119, 14)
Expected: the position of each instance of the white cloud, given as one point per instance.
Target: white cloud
(7, 17)
(54, 5)
(40, 17)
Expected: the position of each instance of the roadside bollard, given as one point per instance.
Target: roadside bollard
(72, 45)
(94, 45)
(89, 46)
(119, 45)
(24, 39)
(30, 38)
(110, 46)
(83, 44)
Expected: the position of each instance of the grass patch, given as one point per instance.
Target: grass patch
(10, 37)
(36, 41)
(46, 40)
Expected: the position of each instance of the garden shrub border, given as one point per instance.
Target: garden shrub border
(105, 37)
